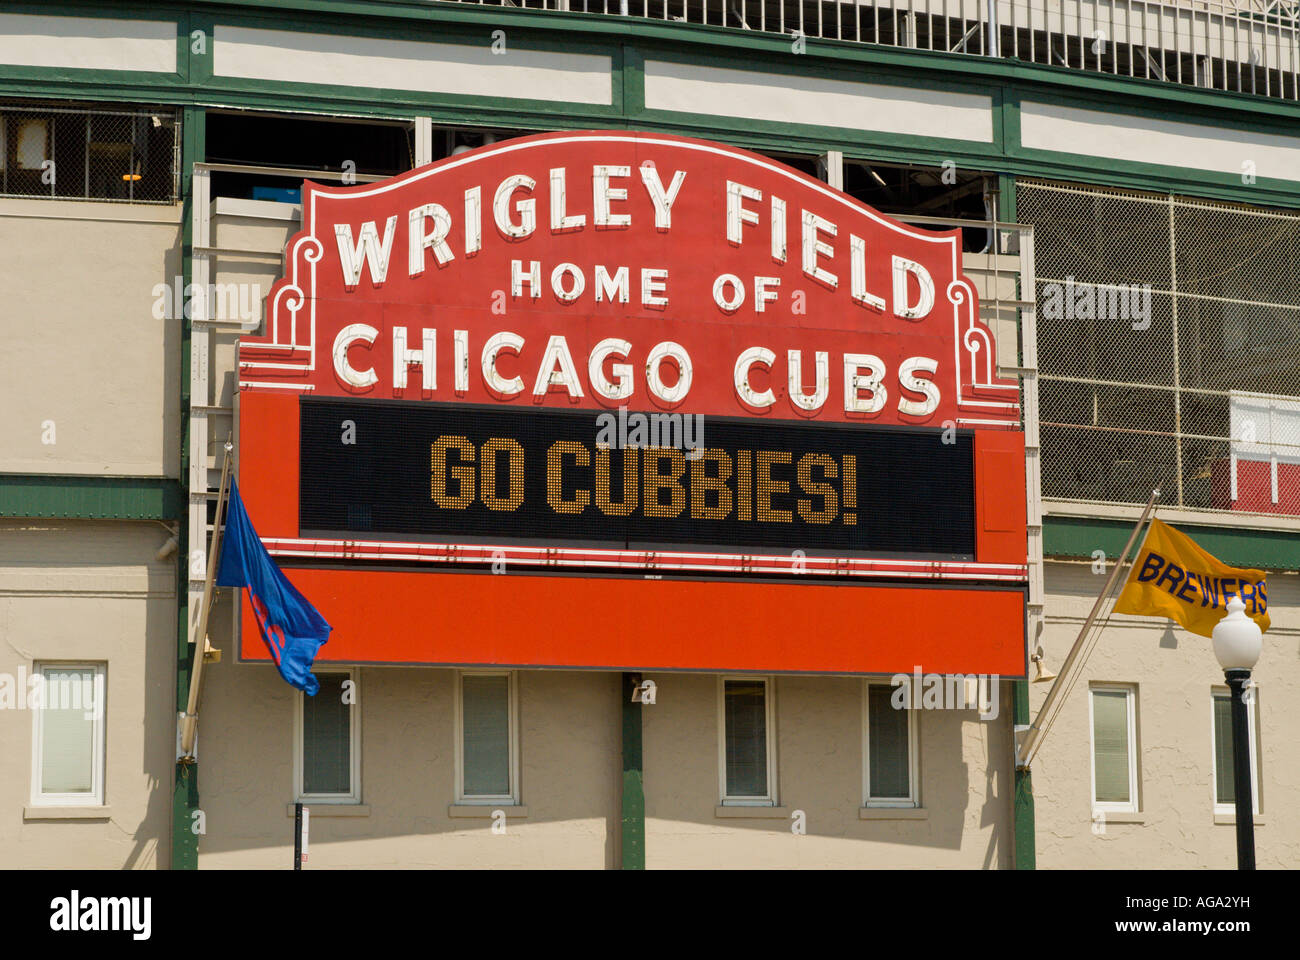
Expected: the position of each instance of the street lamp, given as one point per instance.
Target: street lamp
(1237, 643)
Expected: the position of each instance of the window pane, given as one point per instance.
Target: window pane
(1225, 788)
(1110, 741)
(887, 746)
(486, 706)
(33, 139)
(745, 715)
(68, 731)
(327, 738)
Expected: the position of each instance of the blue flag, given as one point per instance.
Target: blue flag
(291, 628)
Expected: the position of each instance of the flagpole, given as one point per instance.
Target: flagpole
(1046, 713)
(200, 637)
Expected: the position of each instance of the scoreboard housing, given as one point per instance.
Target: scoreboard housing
(631, 401)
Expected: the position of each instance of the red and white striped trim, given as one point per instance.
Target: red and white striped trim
(306, 549)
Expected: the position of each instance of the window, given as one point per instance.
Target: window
(1113, 720)
(487, 738)
(327, 760)
(68, 736)
(89, 152)
(889, 760)
(1225, 786)
(747, 751)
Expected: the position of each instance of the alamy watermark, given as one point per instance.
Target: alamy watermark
(952, 691)
(1097, 301)
(640, 430)
(214, 301)
(63, 691)
(75, 914)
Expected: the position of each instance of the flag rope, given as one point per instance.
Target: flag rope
(190, 719)
(1069, 675)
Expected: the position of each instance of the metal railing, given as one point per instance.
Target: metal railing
(1245, 46)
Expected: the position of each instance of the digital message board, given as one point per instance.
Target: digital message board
(459, 398)
(477, 474)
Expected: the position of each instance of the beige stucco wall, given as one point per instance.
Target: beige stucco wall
(965, 784)
(82, 346)
(92, 592)
(1174, 671)
(570, 746)
(570, 777)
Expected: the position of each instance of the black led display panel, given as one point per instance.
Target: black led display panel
(376, 470)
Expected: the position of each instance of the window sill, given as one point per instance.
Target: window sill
(321, 809)
(727, 811)
(485, 810)
(1121, 816)
(1230, 819)
(893, 813)
(67, 813)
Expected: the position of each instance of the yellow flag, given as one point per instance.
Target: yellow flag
(1173, 577)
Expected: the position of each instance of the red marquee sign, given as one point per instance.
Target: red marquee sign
(695, 378)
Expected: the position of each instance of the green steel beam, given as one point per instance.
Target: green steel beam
(1262, 549)
(1024, 843)
(55, 496)
(185, 788)
(633, 814)
(628, 41)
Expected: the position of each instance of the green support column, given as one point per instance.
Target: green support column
(633, 846)
(185, 791)
(1022, 810)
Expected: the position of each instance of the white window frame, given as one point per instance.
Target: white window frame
(1130, 693)
(1253, 731)
(95, 798)
(769, 703)
(508, 799)
(913, 799)
(354, 750)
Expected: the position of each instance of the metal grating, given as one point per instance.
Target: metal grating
(1246, 46)
(1196, 387)
(131, 156)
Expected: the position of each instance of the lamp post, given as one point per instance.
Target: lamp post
(1237, 643)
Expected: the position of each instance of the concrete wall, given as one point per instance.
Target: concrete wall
(1175, 672)
(83, 348)
(90, 591)
(570, 745)
(571, 774)
(965, 785)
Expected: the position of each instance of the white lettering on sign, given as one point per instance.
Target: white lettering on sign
(425, 357)
(494, 345)
(366, 250)
(354, 333)
(661, 198)
(814, 248)
(514, 213)
(621, 389)
(610, 375)
(419, 240)
(527, 209)
(617, 367)
(904, 268)
(603, 195)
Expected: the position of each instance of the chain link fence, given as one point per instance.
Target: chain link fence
(131, 156)
(1168, 348)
